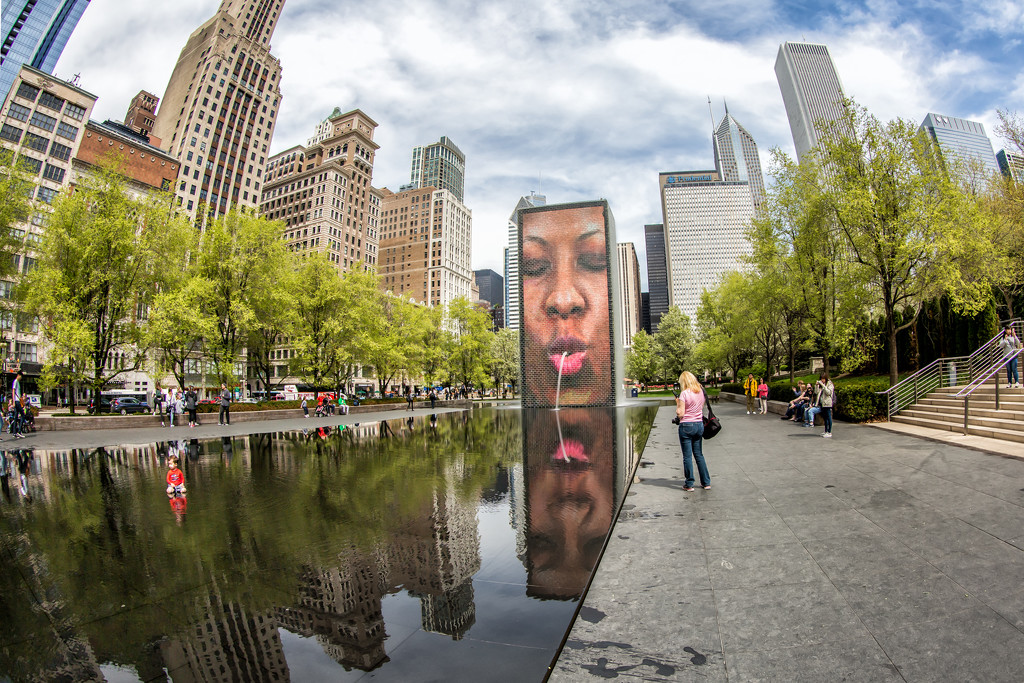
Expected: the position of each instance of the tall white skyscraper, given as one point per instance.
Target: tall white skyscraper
(705, 221)
(629, 286)
(736, 157)
(512, 259)
(810, 89)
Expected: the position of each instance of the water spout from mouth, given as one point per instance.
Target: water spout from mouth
(558, 385)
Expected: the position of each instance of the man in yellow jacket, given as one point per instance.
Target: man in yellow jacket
(750, 391)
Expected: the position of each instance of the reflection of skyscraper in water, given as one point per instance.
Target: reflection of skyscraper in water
(341, 607)
(231, 644)
(436, 555)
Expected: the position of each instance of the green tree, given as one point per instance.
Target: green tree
(674, 341)
(103, 256)
(1004, 204)
(906, 221)
(320, 308)
(178, 326)
(434, 343)
(237, 255)
(274, 313)
(470, 344)
(505, 359)
(15, 206)
(722, 326)
(642, 359)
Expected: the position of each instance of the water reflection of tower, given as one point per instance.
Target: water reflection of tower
(342, 608)
(436, 555)
(230, 644)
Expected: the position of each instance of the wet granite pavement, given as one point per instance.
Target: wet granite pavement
(871, 556)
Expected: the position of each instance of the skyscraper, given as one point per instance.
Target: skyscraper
(736, 157)
(963, 142)
(35, 33)
(629, 286)
(425, 245)
(810, 89)
(324, 192)
(705, 223)
(218, 113)
(441, 165)
(1012, 165)
(512, 259)
(657, 273)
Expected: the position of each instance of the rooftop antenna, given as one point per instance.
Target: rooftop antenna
(712, 114)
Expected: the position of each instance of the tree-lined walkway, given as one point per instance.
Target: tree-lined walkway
(872, 556)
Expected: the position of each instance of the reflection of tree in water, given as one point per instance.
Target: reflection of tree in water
(401, 511)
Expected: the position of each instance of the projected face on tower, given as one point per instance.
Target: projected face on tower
(566, 310)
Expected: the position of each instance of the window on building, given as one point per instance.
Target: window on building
(29, 164)
(6, 320)
(51, 101)
(54, 173)
(16, 111)
(66, 130)
(43, 121)
(28, 91)
(9, 132)
(59, 151)
(75, 112)
(25, 352)
(45, 194)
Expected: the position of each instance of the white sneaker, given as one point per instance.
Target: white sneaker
(748, 412)
(827, 435)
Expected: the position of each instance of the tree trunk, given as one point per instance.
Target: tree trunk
(890, 333)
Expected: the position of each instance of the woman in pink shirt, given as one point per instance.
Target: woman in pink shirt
(690, 413)
(762, 395)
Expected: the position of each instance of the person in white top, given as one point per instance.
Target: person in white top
(1010, 342)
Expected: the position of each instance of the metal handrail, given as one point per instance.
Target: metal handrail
(945, 372)
(995, 369)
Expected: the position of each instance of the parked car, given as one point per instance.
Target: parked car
(127, 404)
(208, 402)
(246, 400)
(104, 405)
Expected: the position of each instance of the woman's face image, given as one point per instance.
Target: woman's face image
(565, 306)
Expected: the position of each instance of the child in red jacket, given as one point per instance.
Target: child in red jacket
(175, 477)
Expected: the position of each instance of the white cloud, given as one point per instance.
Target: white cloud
(573, 99)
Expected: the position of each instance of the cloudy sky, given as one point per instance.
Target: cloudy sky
(574, 99)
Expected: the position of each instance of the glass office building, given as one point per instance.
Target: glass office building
(963, 142)
(35, 33)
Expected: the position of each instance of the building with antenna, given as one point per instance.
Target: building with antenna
(35, 33)
(736, 156)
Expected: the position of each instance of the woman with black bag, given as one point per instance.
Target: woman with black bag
(690, 417)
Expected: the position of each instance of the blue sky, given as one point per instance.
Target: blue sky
(570, 98)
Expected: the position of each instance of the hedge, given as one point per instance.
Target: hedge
(856, 397)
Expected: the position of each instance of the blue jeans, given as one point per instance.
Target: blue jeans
(1011, 372)
(810, 414)
(691, 434)
(827, 414)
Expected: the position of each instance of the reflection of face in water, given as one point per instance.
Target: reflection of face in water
(569, 458)
(564, 270)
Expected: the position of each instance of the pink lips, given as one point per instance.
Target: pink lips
(573, 362)
(569, 450)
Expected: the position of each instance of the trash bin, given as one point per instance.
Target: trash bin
(633, 392)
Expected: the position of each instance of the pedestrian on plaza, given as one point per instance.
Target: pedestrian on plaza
(225, 406)
(408, 398)
(433, 398)
(690, 414)
(191, 403)
(158, 404)
(305, 407)
(750, 391)
(18, 406)
(169, 408)
(762, 395)
(1010, 342)
(824, 392)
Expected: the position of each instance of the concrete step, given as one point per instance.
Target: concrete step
(989, 432)
(1009, 402)
(956, 409)
(998, 422)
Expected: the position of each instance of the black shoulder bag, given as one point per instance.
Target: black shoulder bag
(712, 425)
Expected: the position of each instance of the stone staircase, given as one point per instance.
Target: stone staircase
(941, 410)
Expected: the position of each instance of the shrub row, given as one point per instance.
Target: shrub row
(857, 399)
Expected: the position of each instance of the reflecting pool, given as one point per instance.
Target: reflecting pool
(449, 547)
